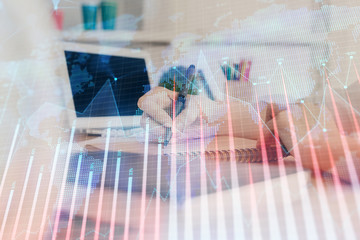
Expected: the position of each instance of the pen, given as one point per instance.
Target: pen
(181, 100)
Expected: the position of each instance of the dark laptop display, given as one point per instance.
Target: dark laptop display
(104, 85)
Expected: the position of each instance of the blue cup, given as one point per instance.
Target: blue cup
(108, 14)
(89, 16)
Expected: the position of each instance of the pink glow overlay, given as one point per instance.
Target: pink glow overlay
(63, 183)
(143, 192)
(237, 216)
(158, 197)
(289, 213)
(305, 201)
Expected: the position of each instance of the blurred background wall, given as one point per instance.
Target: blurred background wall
(199, 16)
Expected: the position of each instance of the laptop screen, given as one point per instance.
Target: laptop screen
(104, 85)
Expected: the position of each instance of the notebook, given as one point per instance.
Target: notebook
(132, 157)
(244, 150)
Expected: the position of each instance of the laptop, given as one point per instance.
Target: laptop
(104, 84)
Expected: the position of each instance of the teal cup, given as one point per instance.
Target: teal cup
(89, 16)
(108, 14)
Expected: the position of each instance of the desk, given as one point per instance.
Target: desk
(303, 211)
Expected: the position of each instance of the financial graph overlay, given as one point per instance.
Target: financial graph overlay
(297, 88)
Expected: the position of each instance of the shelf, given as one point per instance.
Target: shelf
(117, 36)
(123, 37)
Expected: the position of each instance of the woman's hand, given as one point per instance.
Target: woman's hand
(157, 105)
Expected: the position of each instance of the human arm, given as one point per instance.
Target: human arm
(315, 141)
(243, 116)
